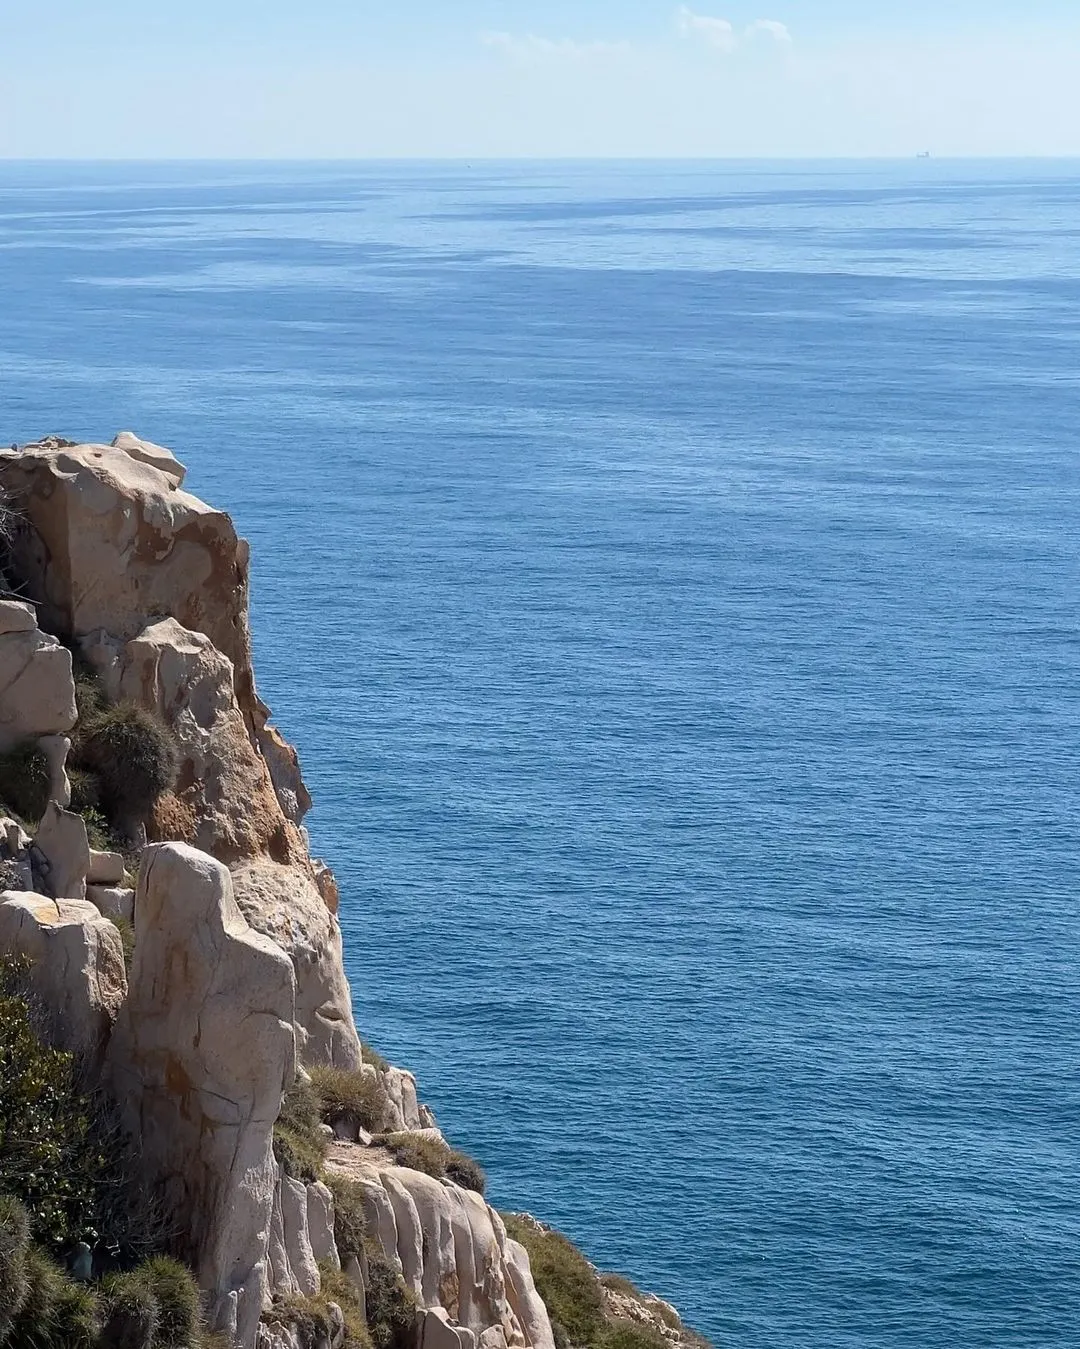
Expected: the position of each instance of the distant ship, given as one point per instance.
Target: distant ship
(923, 154)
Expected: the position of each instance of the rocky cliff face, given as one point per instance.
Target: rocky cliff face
(235, 984)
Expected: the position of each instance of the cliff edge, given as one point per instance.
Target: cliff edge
(175, 936)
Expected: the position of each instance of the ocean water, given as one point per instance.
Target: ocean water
(669, 575)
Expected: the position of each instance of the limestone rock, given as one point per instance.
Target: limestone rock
(320, 1217)
(113, 902)
(224, 801)
(37, 691)
(452, 1250)
(401, 1092)
(294, 1218)
(201, 1055)
(77, 968)
(106, 868)
(55, 748)
(146, 452)
(327, 886)
(61, 836)
(282, 903)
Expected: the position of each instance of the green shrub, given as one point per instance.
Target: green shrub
(129, 1313)
(565, 1280)
(299, 1144)
(354, 1098)
(373, 1057)
(90, 699)
(350, 1224)
(85, 791)
(391, 1306)
(462, 1170)
(419, 1152)
(49, 1158)
(57, 1312)
(25, 781)
(176, 1294)
(14, 1244)
(133, 755)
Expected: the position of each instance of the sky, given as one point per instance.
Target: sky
(525, 78)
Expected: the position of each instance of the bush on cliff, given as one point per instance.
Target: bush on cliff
(435, 1158)
(353, 1098)
(299, 1145)
(49, 1157)
(25, 782)
(566, 1281)
(310, 1318)
(133, 756)
(466, 1172)
(391, 1306)
(350, 1223)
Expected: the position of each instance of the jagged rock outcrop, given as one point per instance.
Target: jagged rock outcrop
(201, 1055)
(282, 903)
(75, 969)
(452, 1250)
(224, 801)
(61, 839)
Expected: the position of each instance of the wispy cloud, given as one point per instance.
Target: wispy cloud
(717, 33)
(773, 28)
(722, 34)
(528, 46)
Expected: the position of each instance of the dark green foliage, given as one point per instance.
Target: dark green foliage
(129, 1312)
(133, 756)
(177, 1298)
(565, 1280)
(25, 782)
(391, 1306)
(350, 1097)
(90, 699)
(57, 1312)
(14, 1244)
(299, 1144)
(350, 1224)
(49, 1157)
(462, 1170)
(418, 1152)
(85, 791)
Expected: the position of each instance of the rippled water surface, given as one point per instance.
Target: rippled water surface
(669, 576)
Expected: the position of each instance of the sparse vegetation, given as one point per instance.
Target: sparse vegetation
(350, 1224)
(354, 1098)
(373, 1057)
(418, 1151)
(391, 1306)
(566, 1281)
(299, 1144)
(466, 1172)
(311, 1319)
(25, 782)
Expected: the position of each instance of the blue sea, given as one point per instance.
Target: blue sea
(669, 575)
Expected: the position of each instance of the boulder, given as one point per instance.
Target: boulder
(223, 802)
(76, 963)
(106, 868)
(157, 456)
(294, 1220)
(404, 1108)
(55, 748)
(61, 838)
(200, 1058)
(113, 902)
(320, 1216)
(37, 691)
(453, 1252)
(282, 903)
